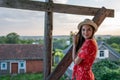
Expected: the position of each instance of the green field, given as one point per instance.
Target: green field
(37, 76)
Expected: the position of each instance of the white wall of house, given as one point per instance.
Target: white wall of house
(21, 65)
(102, 54)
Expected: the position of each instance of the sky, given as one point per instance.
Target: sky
(31, 23)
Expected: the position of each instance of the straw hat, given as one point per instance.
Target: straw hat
(89, 22)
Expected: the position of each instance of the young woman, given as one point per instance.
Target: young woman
(86, 50)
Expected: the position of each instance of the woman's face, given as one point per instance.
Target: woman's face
(87, 31)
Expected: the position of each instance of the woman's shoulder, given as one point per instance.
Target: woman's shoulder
(90, 41)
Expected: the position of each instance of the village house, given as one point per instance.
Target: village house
(106, 52)
(21, 58)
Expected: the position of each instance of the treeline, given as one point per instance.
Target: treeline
(114, 42)
(14, 38)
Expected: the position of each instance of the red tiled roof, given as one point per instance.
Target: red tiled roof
(21, 51)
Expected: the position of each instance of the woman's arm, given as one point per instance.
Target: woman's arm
(75, 58)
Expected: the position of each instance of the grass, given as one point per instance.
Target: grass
(36, 76)
(23, 77)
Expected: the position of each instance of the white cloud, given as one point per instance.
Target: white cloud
(98, 0)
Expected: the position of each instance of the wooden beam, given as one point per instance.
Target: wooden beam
(66, 61)
(44, 6)
(101, 15)
(48, 29)
(79, 10)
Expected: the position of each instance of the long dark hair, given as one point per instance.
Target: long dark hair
(81, 39)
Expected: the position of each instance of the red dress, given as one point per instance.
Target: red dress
(87, 53)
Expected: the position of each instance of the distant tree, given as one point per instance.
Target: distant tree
(114, 45)
(29, 41)
(41, 41)
(12, 38)
(58, 55)
(113, 40)
(2, 40)
(59, 44)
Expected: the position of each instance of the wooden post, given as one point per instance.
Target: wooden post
(48, 41)
(66, 61)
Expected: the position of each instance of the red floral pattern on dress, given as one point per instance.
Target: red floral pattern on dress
(87, 53)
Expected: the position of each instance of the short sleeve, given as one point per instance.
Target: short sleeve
(86, 49)
(82, 54)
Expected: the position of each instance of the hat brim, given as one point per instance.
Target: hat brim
(88, 22)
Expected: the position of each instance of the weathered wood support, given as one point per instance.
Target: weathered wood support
(48, 42)
(44, 6)
(66, 61)
(100, 15)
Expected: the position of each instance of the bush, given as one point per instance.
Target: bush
(106, 70)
